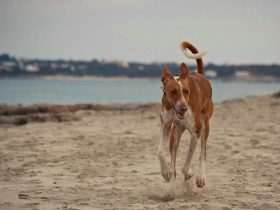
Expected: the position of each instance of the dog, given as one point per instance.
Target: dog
(186, 105)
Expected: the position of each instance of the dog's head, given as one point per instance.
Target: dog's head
(177, 90)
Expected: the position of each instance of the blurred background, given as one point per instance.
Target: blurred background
(83, 51)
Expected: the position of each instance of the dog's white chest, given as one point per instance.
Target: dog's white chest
(188, 120)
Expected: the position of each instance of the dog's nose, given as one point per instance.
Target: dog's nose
(184, 109)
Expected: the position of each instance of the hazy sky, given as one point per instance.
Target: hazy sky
(237, 31)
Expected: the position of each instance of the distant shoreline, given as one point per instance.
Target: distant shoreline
(261, 79)
(68, 77)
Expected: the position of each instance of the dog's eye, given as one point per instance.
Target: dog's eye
(173, 92)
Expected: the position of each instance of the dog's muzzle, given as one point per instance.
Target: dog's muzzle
(180, 112)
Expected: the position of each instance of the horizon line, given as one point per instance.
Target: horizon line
(192, 62)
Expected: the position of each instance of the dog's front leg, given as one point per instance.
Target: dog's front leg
(201, 179)
(186, 170)
(175, 136)
(163, 152)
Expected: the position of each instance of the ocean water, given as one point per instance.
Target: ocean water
(31, 91)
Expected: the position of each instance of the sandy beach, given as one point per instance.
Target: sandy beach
(104, 157)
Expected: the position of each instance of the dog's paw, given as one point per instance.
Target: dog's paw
(200, 181)
(188, 175)
(164, 165)
(165, 170)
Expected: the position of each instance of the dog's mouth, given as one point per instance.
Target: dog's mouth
(180, 115)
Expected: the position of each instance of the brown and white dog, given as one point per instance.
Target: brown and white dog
(186, 104)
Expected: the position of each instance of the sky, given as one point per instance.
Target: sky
(233, 32)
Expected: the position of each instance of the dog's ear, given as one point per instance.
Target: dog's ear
(166, 75)
(184, 72)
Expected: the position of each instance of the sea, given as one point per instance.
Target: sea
(39, 91)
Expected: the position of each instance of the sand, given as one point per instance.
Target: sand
(107, 160)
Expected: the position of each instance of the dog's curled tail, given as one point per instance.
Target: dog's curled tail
(194, 54)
